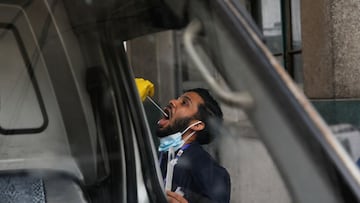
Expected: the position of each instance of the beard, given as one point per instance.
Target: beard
(179, 125)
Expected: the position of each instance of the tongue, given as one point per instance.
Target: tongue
(162, 122)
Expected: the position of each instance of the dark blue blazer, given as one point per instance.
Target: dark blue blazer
(199, 176)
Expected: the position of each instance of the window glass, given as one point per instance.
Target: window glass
(296, 24)
(19, 106)
(236, 146)
(296, 42)
(272, 25)
(298, 71)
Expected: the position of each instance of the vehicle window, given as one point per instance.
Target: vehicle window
(237, 146)
(278, 126)
(73, 151)
(19, 99)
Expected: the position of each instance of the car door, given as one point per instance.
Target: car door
(70, 123)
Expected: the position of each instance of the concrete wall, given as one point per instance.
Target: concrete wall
(330, 36)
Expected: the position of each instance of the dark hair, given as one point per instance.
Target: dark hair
(208, 112)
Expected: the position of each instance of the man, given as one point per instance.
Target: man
(189, 172)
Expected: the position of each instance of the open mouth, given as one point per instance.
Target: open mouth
(164, 121)
(168, 113)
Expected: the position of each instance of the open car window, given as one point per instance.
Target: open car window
(270, 127)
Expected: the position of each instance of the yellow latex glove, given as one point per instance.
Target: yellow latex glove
(145, 88)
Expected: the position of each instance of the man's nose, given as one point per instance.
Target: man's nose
(173, 103)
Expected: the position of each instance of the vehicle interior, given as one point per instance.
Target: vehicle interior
(73, 128)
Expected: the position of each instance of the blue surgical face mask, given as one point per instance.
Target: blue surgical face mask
(175, 140)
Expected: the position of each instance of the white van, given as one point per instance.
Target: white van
(73, 128)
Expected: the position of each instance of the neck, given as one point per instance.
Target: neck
(189, 140)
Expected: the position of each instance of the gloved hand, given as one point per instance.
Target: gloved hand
(145, 88)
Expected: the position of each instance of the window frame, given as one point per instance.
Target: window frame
(32, 76)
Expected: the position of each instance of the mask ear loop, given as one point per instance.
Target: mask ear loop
(192, 133)
(197, 122)
(188, 137)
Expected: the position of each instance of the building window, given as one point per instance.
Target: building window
(280, 23)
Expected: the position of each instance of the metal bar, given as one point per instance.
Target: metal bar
(157, 106)
(242, 99)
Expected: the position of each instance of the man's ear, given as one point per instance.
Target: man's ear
(198, 127)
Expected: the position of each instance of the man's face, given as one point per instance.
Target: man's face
(181, 112)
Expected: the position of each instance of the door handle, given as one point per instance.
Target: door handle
(242, 99)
